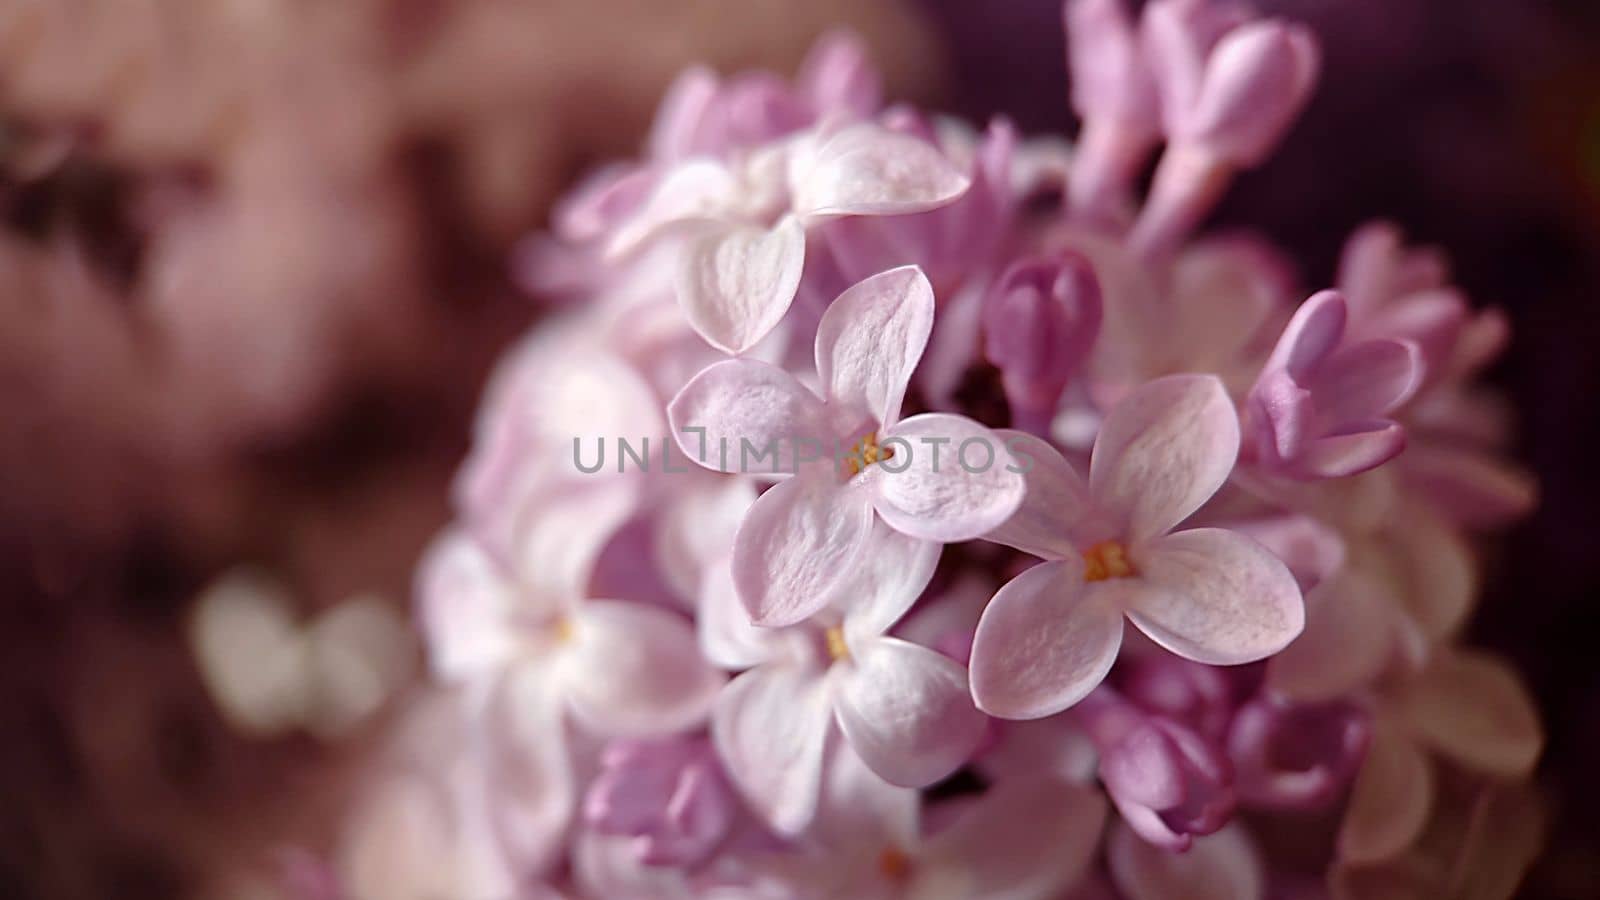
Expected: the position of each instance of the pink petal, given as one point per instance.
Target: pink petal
(798, 543)
(1434, 568)
(465, 607)
(770, 726)
(1055, 499)
(957, 490)
(635, 670)
(1163, 451)
(1043, 644)
(1220, 866)
(893, 572)
(1312, 334)
(1364, 446)
(1256, 82)
(1024, 838)
(1348, 640)
(870, 339)
(755, 417)
(859, 809)
(1313, 551)
(865, 169)
(560, 536)
(696, 528)
(727, 638)
(1367, 380)
(1474, 709)
(1219, 597)
(682, 113)
(1390, 801)
(906, 711)
(736, 283)
(694, 191)
(837, 76)
(528, 785)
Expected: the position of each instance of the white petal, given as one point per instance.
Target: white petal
(1217, 597)
(892, 573)
(635, 670)
(906, 711)
(798, 543)
(735, 283)
(955, 482)
(1163, 451)
(1056, 498)
(771, 725)
(866, 169)
(870, 340)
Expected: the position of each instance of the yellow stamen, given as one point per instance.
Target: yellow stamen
(1107, 559)
(563, 630)
(837, 648)
(895, 865)
(866, 452)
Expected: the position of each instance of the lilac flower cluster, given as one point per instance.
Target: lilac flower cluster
(883, 678)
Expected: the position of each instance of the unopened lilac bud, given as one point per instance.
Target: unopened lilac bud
(1257, 81)
(1114, 94)
(1170, 784)
(837, 77)
(669, 796)
(1040, 321)
(1178, 37)
(1296, 756)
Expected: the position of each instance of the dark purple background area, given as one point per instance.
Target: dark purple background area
(1474, 124)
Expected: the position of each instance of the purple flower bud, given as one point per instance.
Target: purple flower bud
(1297, 756)
(670, 796)
(1040, 321)
(1170, 784)
(1200, 697)
(1317, 409)
(1114, 93)
(1257, 81)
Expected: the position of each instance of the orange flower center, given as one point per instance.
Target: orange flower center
(895, 865)
(866, 452)
(1107, 559)
(837, 648)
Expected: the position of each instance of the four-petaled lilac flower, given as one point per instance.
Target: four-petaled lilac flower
(934, 476)
(1208, 594)
(905, 710)
(1317, 409)
(745, 223)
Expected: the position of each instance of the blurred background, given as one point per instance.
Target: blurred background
(257, 256)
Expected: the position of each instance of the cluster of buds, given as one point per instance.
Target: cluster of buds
(799, 544)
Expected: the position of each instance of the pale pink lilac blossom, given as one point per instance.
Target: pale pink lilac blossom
(1272, 500)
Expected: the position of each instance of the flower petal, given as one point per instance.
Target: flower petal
(1367, 379)
(1348, 640)
(1220, 866)
(465, 608)
(1219, 598)
(695, 190)
(1163, 451)
(1390, 801)
(742, 415)
(635, 670)
(1055, 498)
(1471, 707)
(957, 481)
(1355, 448)
(696, 527)
(736, 283)
(771, 726)
(727, 638)
(894, 571)
(1024, 839)
(906, 711)
(866, 169)
(870, 339)
(1043, 643)
(798, 543)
